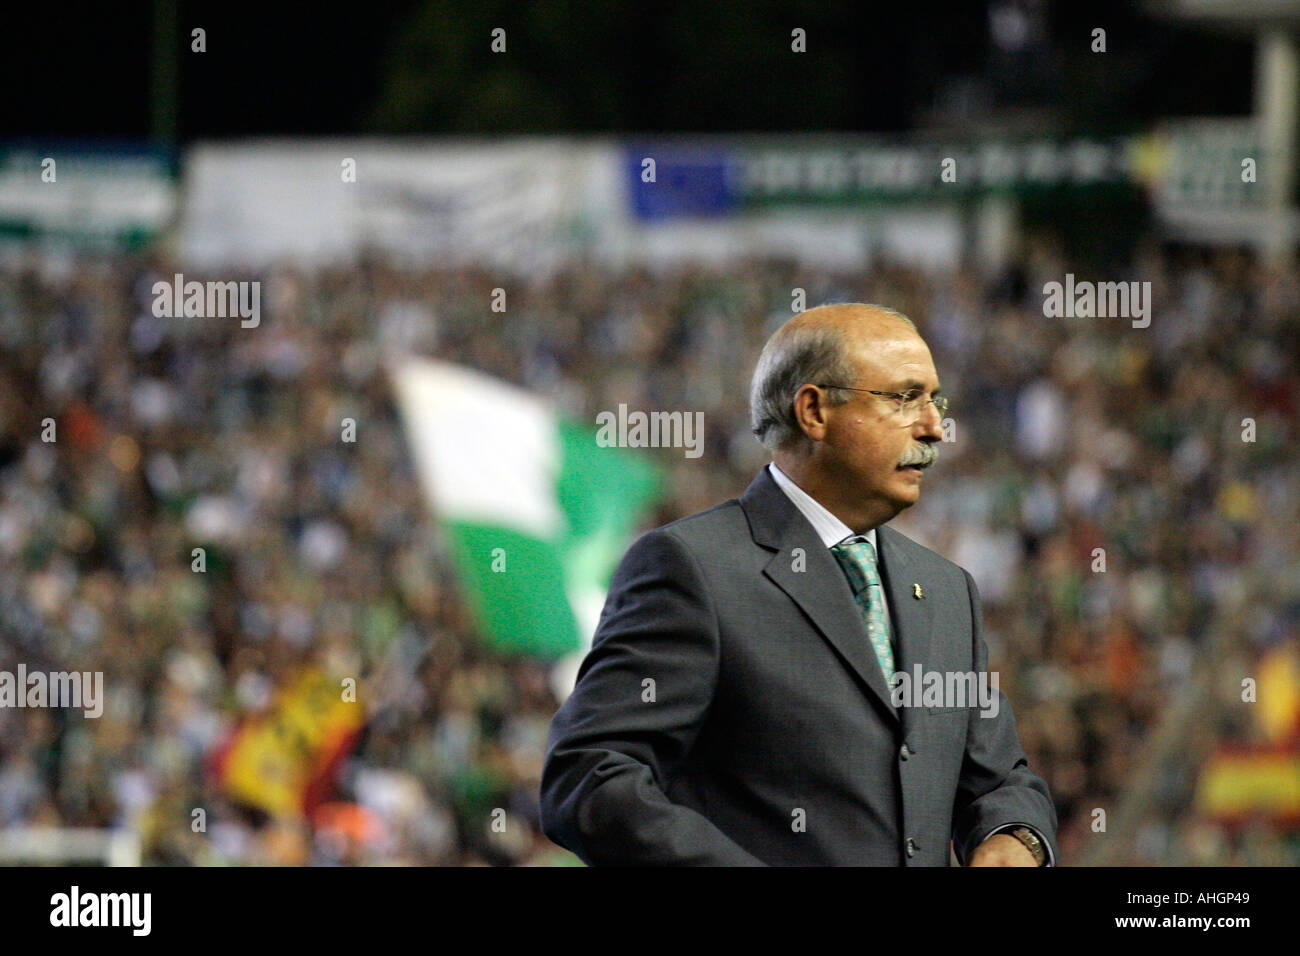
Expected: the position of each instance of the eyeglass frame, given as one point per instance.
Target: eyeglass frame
(940, 402)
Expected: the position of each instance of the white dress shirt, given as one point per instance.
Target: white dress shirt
(829, 528)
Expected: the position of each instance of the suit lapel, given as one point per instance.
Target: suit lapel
(820, 590)
(910, 616)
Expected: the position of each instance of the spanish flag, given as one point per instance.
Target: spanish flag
(1237, 784)
(284, 760)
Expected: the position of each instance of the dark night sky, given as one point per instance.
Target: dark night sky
(423, 66)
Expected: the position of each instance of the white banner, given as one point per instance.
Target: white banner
(516, 204)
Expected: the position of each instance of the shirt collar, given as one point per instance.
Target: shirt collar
(829, 528)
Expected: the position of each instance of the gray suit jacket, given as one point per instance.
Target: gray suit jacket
(767, 736)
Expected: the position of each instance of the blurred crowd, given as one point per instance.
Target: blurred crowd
(1068, 436)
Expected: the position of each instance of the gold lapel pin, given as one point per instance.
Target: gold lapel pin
(916, 592)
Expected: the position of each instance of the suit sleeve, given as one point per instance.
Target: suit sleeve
(612, 749)
(996, 787)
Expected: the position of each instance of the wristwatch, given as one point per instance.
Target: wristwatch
(1032, 843)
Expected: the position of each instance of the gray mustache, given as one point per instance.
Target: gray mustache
(923, 455)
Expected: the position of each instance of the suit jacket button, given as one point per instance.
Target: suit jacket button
(904, 752)
(911, 847)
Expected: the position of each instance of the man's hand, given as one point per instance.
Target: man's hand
(1002, 849)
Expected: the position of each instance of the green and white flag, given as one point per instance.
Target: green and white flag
(536, 514)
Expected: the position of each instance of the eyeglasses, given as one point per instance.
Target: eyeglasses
(908, 406)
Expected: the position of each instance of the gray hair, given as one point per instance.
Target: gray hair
(791, 359)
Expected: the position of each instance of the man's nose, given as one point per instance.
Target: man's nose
(930, 425)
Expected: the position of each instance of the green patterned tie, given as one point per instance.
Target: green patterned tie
(858, 559)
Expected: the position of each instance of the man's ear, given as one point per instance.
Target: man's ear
(810, 412)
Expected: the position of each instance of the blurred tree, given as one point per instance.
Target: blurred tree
(677, 65)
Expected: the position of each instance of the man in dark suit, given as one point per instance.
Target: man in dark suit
(734, 708)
